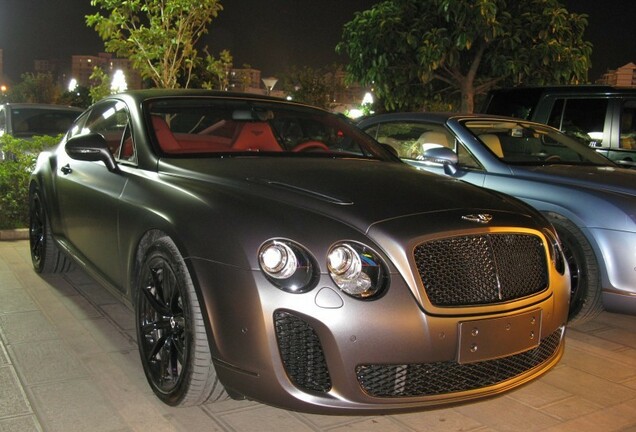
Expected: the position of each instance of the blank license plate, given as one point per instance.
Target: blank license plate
(489, 339)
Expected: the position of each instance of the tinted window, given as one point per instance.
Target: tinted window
(628, 125)
(518, 103)
(41, 121)
(583, 119)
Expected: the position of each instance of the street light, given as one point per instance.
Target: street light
(269, 83)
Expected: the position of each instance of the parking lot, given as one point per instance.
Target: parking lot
(69, 362)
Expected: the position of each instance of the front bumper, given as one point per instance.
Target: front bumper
(324, 352)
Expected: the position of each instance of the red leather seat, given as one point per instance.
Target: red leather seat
(167, 141)
(256, 136)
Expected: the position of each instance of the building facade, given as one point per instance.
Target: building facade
(624, 76)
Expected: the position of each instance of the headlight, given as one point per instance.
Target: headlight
(287, 265)
(356, 270)
(556, 253)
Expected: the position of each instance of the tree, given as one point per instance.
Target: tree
(159, 37)
(35, 88)
(100, 84)
(214, 73)
(308, 85)
(410, 50)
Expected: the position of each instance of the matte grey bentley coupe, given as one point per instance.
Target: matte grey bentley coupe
(271, 251)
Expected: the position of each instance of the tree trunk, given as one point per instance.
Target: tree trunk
(468, 97)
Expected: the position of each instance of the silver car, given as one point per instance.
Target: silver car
(590, 200)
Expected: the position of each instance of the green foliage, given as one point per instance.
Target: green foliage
(14, 177)
(311, 86)
(35, 88)
(213, 73)
(410, 50)
(159, 37)
(100, 85)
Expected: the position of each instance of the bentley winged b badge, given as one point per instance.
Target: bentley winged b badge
(482, 218)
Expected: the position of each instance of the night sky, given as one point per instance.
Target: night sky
(270, 35)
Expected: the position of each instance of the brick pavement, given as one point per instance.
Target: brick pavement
(69, 362)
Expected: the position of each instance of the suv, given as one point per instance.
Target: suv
(603, 117)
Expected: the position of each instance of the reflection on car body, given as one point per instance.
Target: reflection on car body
(590, 200)
(272, 251)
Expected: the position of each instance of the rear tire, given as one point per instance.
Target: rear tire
(45, 254)
(585, 291)
(171, 334)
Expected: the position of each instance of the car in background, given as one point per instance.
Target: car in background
(274, 252)
(601, 117)
(25, 120)
(590, 200)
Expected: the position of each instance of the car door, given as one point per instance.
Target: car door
(89, 193)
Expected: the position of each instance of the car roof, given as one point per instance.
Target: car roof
(21, 105)
(139, 96)
(584, 89)
(436, 117)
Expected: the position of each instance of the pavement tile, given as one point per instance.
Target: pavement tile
(439, 420)
(539, 395)
(590, 387)
(16, 300)
(13, 401)
(603, 367)
(123, 317)
(80, 307)
(4, 358)
(26, 326)
(96, 294)
(571, 408)
(507, 415)
(614, 418)
(20, 424)
(621, 336)
(45, 361)
(9, 281)
(107, 336)
(76, 406)
(263, 418)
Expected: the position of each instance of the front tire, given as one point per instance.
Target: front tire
(585, 281)
(171, 334)
(45, 255)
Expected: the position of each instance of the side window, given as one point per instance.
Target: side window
(410, 140)
(628, 125)
(111, 120)
(583, 119)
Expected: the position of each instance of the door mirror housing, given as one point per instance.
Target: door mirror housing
(92, 148)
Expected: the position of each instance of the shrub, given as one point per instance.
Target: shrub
(15, 171)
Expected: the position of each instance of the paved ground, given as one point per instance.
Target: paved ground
(68, 362)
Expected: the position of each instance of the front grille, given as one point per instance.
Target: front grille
(431, 379)
(301, 352)
(482, 269)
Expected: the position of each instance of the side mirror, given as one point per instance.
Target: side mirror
(443, 156)
(92, 148)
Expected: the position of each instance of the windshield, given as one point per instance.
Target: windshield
(525, 143)
(185, 127)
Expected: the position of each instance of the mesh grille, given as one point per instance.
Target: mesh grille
(302, 353)
(449, 377)
(482, 269)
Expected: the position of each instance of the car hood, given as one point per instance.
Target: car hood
(358, 192)
(605, 178)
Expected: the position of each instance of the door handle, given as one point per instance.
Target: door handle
(66, 169)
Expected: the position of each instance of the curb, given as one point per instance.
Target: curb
(14, 234)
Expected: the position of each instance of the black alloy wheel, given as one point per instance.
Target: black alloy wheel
(172, 339)
(45, 255)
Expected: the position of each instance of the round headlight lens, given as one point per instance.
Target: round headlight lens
(288, 266)
(278, 260)
(356, 270)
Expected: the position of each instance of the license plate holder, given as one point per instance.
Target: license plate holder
(492, 338)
